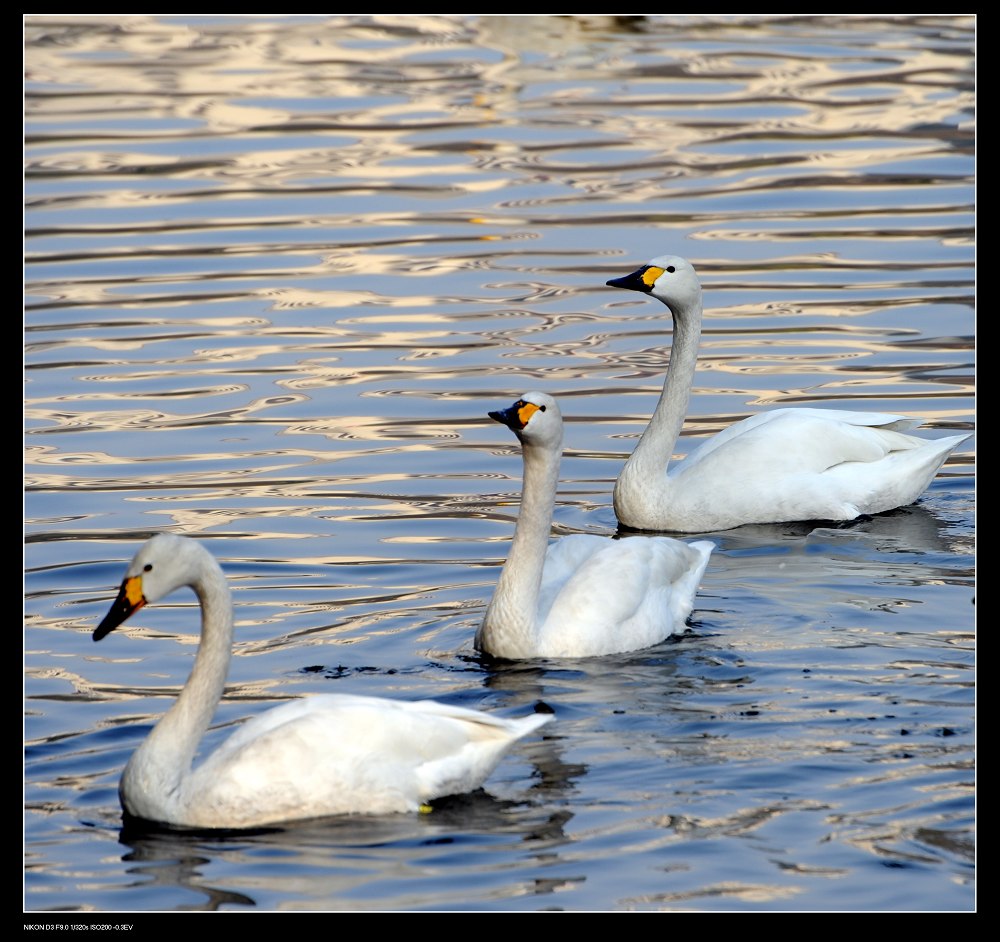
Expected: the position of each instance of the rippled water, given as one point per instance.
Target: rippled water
(278, 270)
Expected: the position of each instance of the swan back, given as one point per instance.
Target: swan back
(617, 595)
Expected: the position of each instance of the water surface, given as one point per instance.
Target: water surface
(278, 269)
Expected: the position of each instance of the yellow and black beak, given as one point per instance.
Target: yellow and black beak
(130, 600)
(516, 417)
(642, 279)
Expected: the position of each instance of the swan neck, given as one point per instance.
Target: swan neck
(656, 446)
(510, 627)
(165, 758)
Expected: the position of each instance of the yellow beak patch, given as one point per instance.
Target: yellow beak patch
(650, 275)
(525, 411)
(132, 590)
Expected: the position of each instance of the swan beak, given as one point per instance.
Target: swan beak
(642, 279)
(130, 600)
(516, 417)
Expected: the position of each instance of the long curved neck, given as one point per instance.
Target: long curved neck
(164, 759)
(511, 623)
(652, 455)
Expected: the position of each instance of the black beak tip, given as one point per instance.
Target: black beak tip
(111, 621)
(120, 610)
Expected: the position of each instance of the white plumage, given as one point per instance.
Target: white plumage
(321, 755)
(584, 594)
(779, 466)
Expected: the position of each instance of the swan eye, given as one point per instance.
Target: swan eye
(671, 269)
(541, 408)
(148, 567)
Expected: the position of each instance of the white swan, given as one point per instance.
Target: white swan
(585, 594)
(779, 466)
(322, 755)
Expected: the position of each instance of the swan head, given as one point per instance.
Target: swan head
(164, 563)
(669, 278)
(535, 419)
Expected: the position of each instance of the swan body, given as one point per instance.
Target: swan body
(774, 467)
(318, 756)
(584, 594)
